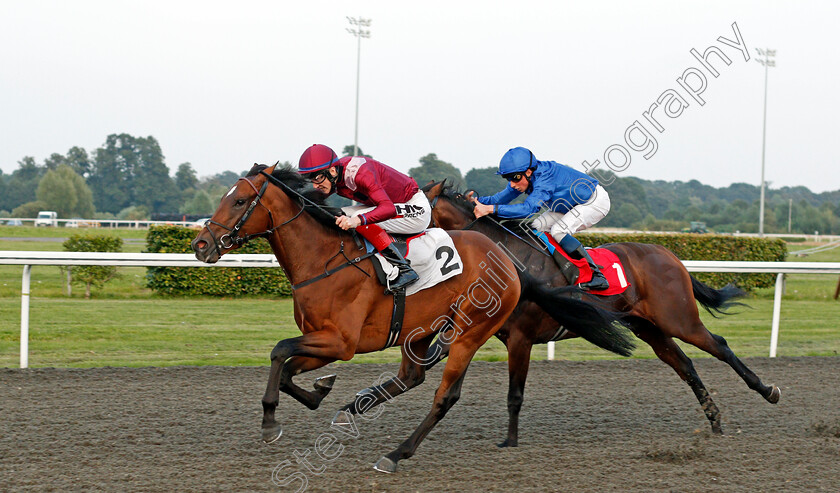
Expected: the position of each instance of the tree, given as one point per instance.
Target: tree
(22, 184)
(57, 194)
(153, 187)
(131, 171)
(433, 169)
(348, 151)
(77, 158)
(64, 191)
(84, 207)
(200, 203)
(484, 181)
(625, 215)
(29, 209)
(134, 213)
(674, 214)
(93, 275)
(2, 190)
(628, 191)
(54, 161)
(112, 174)
(225, 180)
(185, 177)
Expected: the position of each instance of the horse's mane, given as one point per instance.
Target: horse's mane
(457, 198)
(519, 227)
(316, 207)
(454, 195)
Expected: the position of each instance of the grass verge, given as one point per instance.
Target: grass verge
(128, 325)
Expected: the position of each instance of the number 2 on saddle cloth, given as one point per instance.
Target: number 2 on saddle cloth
(608, 261)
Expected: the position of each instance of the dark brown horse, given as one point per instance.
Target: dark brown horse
(348, 313)
(659, 306)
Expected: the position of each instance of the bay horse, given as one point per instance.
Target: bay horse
(659, 305)
(349, 314)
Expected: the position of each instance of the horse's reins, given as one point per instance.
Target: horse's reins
(432, 205)
(505, 228)
(499, 224)
(305, 200)
(232, 238)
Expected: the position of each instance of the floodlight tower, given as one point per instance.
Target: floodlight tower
(359, 33)
(768, 62)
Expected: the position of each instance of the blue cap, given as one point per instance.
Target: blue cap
(516, 160)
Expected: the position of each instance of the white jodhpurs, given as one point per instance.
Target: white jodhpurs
(580, 217)
(413, 216)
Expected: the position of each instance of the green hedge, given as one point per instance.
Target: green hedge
(214, 281)
(708, 247)
(234, 281)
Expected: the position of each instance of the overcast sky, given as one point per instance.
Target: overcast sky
(225, 84)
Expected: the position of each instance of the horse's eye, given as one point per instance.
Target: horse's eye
(240, 202)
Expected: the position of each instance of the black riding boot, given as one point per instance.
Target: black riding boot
(598, 281)
(407, 275)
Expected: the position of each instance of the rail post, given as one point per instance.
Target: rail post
(777, 311)
(24, 317)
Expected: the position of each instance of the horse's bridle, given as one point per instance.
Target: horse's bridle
(431, 210)
(232, 237)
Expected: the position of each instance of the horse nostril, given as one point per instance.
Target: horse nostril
(200, 244)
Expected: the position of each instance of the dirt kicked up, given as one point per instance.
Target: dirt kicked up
(627, 425)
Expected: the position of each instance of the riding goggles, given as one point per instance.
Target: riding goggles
(319, 177)
(514, 177)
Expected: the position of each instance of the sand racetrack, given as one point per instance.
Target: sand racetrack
(627, 425)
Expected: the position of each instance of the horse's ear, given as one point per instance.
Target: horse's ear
(433, 189)
(270, 169)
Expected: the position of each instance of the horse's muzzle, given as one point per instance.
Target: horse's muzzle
(205, 251)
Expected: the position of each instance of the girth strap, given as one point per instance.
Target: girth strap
(396, 318)
(397, 315)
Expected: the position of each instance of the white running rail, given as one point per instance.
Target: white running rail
(27, 259)
(778, 268)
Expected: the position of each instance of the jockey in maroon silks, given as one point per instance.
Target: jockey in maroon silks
(392, 201)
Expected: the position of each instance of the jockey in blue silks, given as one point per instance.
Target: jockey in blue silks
(563, 200)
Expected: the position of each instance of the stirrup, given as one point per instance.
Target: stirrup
(404, 279)
(597, 283)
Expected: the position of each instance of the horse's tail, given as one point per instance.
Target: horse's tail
(716, 301)
(601, 327)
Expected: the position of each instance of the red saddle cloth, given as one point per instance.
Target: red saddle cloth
(610, 266)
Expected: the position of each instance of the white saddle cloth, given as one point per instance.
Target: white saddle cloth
(432, 255)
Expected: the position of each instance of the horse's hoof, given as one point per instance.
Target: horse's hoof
(508, 443)
(386, 465)
(342, 418)
(716, 429)
(272, 433)
(774, 396)
(325, 382)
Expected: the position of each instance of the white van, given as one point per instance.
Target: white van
(47, 218)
